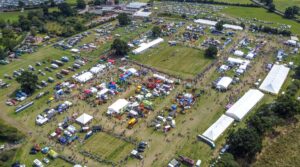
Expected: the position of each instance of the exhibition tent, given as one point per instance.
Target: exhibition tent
(145, 46)
(244, 105)
(216, 129)
(84, 119)
(84, 77)
(117, 107)
(224, 83)
(275, 79)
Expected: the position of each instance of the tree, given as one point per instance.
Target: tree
(65, 9)
(289, 13)
(45, 10)
(297, 72)
(99, 2)
(227, 160)
(296, 9)
(286, 106)
(219, 25)
(28, 82)
(120, 47)
(262, 124)
(81, 4)
(123, 19)
(156, 31)
(271, 7)
(243, 25)
(3, 54)
(211, 52)
(244, 143)
(2, 24)
(21, 4)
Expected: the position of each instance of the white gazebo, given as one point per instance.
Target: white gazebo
(84, 119)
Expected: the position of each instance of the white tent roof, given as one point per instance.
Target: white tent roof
(141, 13)
(237, 61)
(224, 82)
(136, 5)
(213, 23)
(216, 129)
(145, 46)
(84, 119)
(84, 77)
(117, 106)
(97, 69)
(275, 79)
(250, 55)
(244, 104)
(239, 53)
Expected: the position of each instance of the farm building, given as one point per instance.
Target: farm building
(244, 105)
(144, 46)
(117, 107)
(216, 129)
(141, 14)
(84, 119)
(84, 77)
(275, 79)
(136, 5)
(223, 83)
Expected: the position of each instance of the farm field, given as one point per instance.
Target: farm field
(177, 60)
(283, 4)
(110, 148)
(261, 14)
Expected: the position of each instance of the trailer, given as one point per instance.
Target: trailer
(23, 107)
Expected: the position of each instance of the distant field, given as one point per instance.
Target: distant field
(11, 16)
(283, 4)
(176, 60)
(235, 1)
(108, 147)
(261, 14)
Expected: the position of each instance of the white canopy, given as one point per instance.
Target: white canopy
(142, 13)
(237, 61)
(145, 46)
(250, 55)
(224, 83)
(275, 79)
(244, 104)
(163, 78)
(84, 77)
(239, 53)
(213, 23)
(97, 69)
(117, 107)
(84, 119)
(216, 129)
(102, 92)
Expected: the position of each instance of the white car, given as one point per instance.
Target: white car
(46, 160)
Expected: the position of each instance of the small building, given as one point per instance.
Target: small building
(136, 5)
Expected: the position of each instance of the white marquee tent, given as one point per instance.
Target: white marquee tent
(244, 104)
(238, 53)
(84, 119)
(213, 23)
(237, 61)
(84, 77)
(117, 107)
(224, 83)
(275, 79)
(216, 129)
(145, 46)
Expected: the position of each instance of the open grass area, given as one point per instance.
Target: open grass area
(177, 60)
(108, 147)
(235, 1)
(283, 4)
(11, 16)
(261, 14)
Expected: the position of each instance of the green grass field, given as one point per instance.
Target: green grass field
(235, 1)
(283, 4)
(11, 16)
(108, 147)
(261, 14)
(176, 60)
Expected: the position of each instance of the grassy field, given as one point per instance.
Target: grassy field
(11, 16)
(283, 4)
(235, 1)
(261, 14)
(176, 60)
(108, 147)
